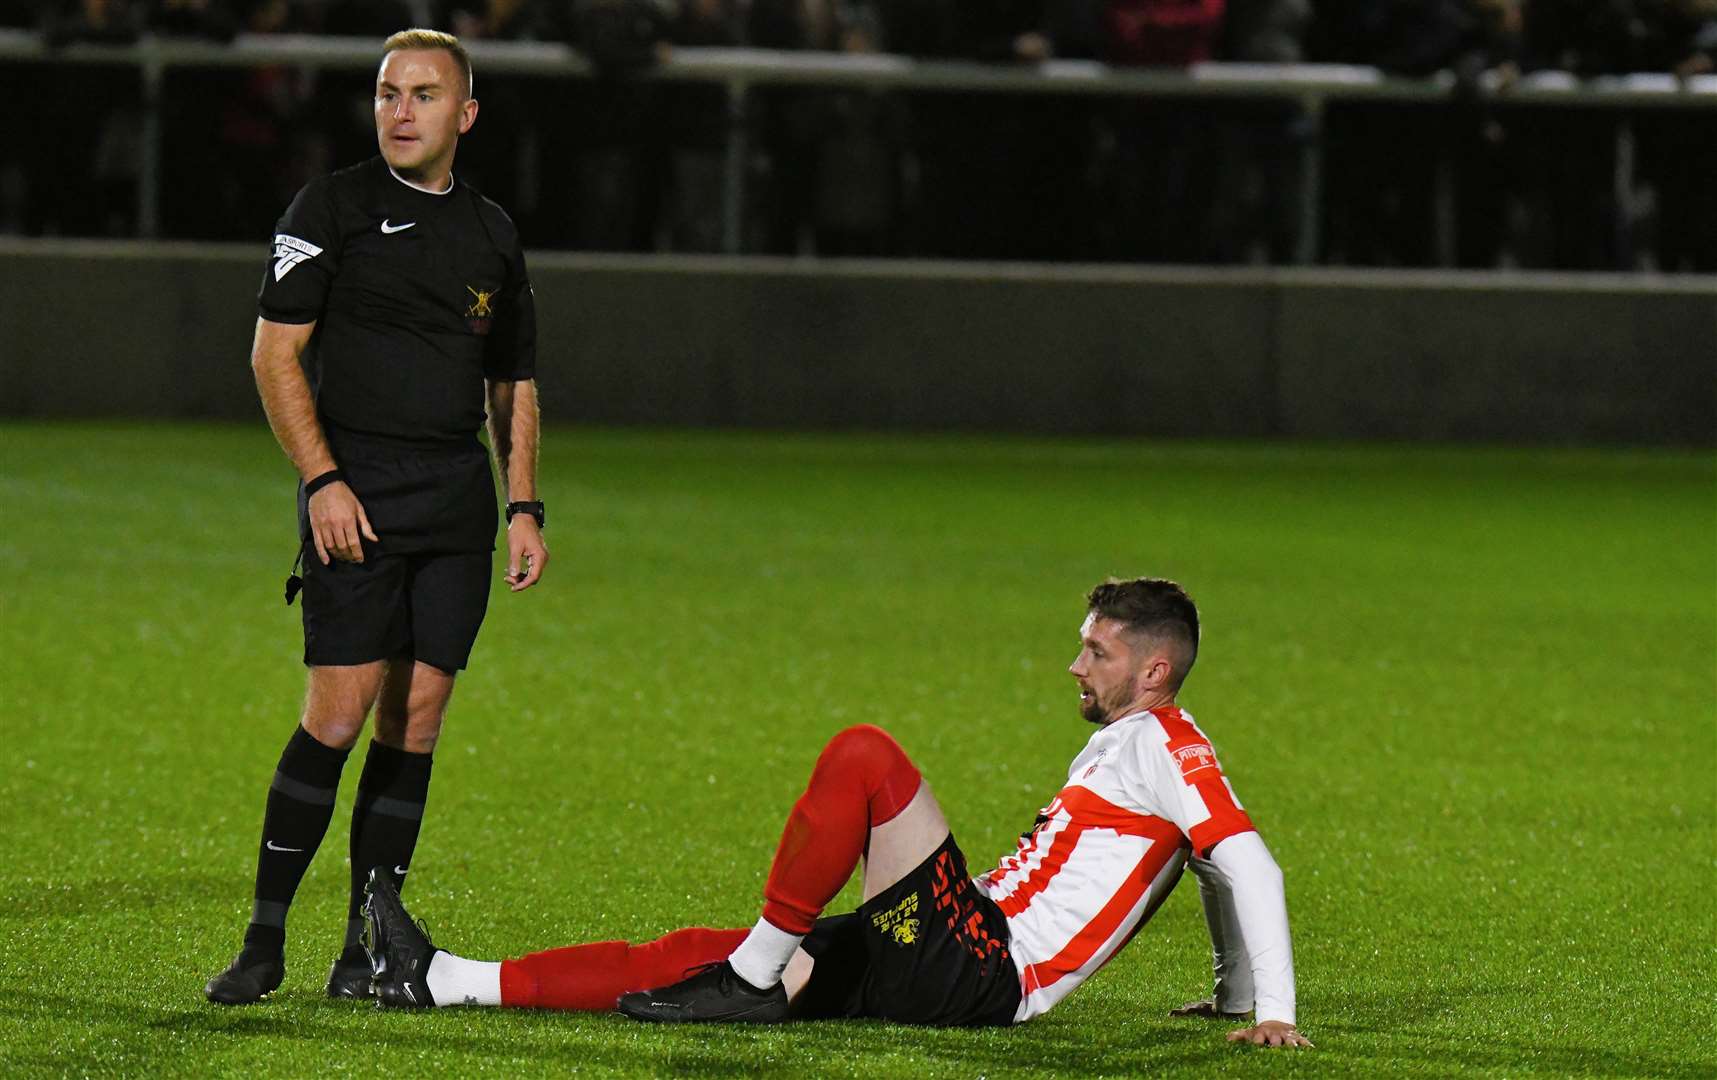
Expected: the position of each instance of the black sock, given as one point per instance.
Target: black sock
(300, 802)
(385, 821)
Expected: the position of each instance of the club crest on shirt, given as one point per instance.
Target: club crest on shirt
(480, 315)
(1194, 759)
(897, 922)
(1096, 761)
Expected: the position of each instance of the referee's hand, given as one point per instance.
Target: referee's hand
(337, 522)
(526, 553)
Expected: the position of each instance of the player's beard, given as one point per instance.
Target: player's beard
(1099, 711)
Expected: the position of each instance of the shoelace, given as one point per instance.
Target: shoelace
(727, 980)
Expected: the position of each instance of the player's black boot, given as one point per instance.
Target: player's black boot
(350, 977)
(715, 992)
(400, 950)
(248, 979)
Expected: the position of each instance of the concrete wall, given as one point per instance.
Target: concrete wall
(92, 329)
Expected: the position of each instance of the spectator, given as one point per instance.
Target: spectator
(1257, 197)
(697, 128)
(1000, 175)
(209, 19)
(80, 181)
(1161, 33)
(1396, 173)
(236, 142)
(858, 184)
(367, 18)
(1577, 221)
(1586, 37)
(496, 20)
(1266, 31)
(833, 155)
(1678, 148)
(1165, 170)
(104, 22)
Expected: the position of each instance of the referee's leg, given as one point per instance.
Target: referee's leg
(394, 786)
(447, 595)
(299, 805)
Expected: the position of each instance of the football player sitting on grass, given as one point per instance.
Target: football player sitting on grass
(931, 944)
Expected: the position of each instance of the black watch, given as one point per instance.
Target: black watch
(534, 509)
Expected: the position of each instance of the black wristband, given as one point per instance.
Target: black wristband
(332, 476)
(531, 507)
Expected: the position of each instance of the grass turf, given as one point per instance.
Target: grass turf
(1468, 696)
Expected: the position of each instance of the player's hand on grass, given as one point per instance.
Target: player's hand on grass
(338, 524)
(526, 553)
(1270, 1033)
(1207, 1008)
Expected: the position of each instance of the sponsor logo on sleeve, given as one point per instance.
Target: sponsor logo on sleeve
(289, 251)
(1197, 761)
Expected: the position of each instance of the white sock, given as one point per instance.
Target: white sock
(454, 980)
(763, 955)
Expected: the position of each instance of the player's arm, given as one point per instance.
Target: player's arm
(1232, 997)
(336, 517)
(1251, 884)
(514, 421)
(1245, 905)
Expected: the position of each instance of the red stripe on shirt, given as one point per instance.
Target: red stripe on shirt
(1225, 818)
(1086, 810)
(1060, 849)
(1086, 807)
(1079, 951)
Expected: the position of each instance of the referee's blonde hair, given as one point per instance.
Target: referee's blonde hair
(419, 38)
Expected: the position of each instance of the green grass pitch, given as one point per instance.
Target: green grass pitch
(1468, 695)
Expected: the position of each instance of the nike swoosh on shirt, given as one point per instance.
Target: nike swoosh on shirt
(272, 846)
(391, 229)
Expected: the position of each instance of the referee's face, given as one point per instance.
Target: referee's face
(421, 110)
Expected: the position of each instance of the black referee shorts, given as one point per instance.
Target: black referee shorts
(423, 589)
(931, 949)
(427, 606)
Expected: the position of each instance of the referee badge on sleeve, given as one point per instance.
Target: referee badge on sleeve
(289, 251)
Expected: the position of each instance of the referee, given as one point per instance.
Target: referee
(410, 291)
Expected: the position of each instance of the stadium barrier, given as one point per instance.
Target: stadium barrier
(125, 329)
(1312, 87)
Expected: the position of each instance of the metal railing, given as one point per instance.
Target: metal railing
(1309, 86)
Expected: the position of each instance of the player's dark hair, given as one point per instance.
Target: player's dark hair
(418, 38)
(1154, 608)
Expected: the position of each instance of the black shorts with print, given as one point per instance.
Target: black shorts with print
(930, 949)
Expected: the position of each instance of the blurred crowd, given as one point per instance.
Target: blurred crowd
(626, 164)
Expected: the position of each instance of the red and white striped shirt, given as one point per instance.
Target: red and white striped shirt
(1109, 848)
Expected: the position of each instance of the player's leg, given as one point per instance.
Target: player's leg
(899, 845)
(862, 782)
(299, 804)
(865, 799)
(447, 596)
(411, 971)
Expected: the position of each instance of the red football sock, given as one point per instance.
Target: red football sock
(862, 779)
(592, 977)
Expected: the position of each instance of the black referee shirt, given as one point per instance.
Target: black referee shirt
(417, 297)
